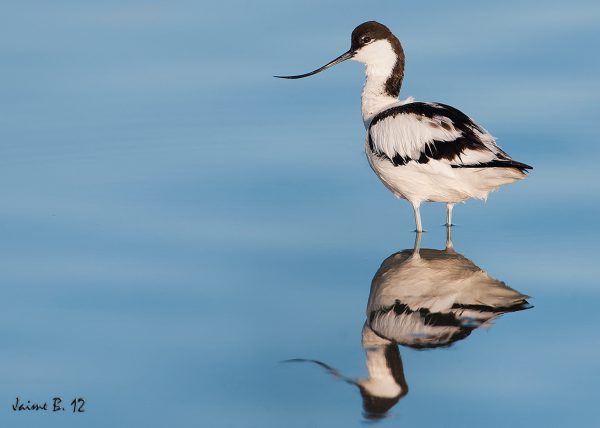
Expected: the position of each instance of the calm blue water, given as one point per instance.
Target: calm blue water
(175, 222)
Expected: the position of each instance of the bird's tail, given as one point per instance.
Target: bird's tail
(497, 163)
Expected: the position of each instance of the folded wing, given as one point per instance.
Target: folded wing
(422, 132)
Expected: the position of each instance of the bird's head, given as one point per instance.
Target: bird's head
(372, 44)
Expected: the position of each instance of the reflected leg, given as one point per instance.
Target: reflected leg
(449, 244)
(417, 246)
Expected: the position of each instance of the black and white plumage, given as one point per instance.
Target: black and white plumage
(422, 152)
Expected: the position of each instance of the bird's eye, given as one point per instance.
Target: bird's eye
(366, 39)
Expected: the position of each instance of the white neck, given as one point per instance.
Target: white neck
(380, 59)
(374, 98)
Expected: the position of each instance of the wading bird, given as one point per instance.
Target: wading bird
(421, 151)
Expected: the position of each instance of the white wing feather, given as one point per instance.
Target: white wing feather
(409, 135)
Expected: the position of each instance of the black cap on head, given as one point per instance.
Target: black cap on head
(368, 32)
(376, 407)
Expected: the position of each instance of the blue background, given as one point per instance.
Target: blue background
(175, 221)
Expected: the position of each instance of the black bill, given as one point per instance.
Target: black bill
(343, 57)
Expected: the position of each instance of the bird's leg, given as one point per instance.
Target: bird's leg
(417, 208)
(450, 206)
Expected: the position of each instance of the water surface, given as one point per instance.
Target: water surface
(176, 222)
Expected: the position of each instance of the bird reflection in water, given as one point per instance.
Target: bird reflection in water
(422, 299)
